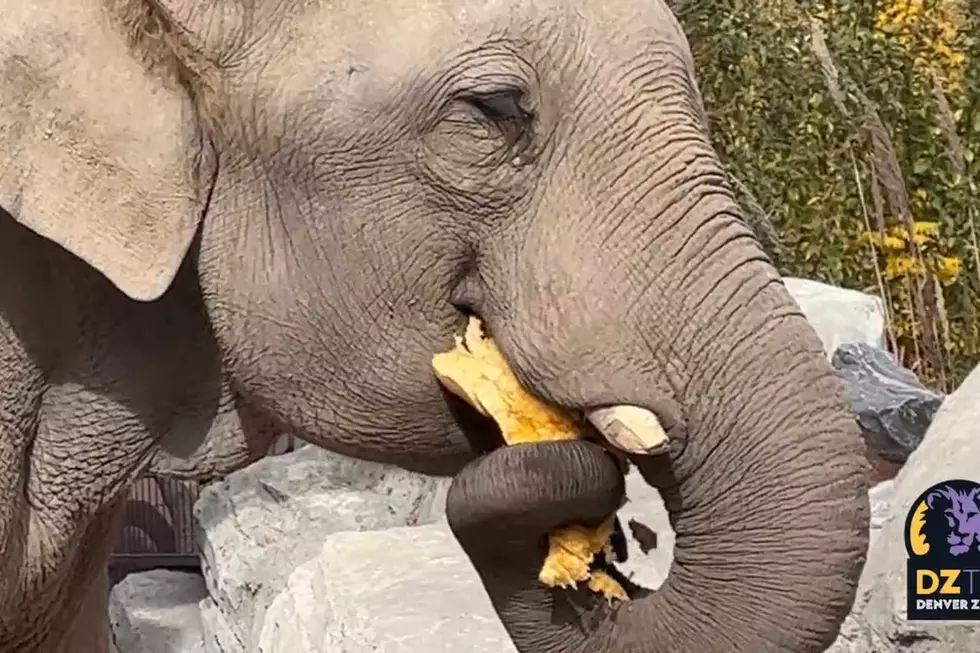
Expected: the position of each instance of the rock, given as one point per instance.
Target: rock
(892, 408)
(259, 524)
(401, 590)
(219, 635)
(950, 450)
(881, 497)
(157, 612)
(649, 536)
(839, 315)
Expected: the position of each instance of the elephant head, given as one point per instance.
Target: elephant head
(350, 180)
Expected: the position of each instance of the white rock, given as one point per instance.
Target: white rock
(645, 514)
(259, 524)
(839, 315)
(950, 450)
(157, 612)
(219, 635)
(402, 590)
(881, 497)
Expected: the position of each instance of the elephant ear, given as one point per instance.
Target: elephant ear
(100, 151)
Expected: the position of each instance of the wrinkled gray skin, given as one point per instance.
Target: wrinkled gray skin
(234, 217)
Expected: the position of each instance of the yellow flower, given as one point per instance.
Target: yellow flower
(892, 242)
(928, 229)
(947, 268)
(869, 238)
(901, 265)
(925, 232)
(929, 31)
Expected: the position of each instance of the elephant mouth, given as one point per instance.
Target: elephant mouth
(481, 433)
(487, 399)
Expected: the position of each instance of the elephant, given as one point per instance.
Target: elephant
(237, 218)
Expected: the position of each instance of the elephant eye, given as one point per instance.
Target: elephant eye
(501, 106)
(502, 112)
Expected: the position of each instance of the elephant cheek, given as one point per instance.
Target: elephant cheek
(320, 360)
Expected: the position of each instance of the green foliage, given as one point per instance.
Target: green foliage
(879, 134)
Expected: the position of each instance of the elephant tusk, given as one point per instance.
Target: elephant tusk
(633, 429)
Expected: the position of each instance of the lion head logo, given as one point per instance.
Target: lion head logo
(944, 524)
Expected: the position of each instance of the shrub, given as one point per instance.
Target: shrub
(851, 130)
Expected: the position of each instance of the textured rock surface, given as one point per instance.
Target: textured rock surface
(262, 522)
(881, 497)
(391, 590)
(402, 590)
(221, 632)
(839, 315)
(951, 449)
(157, 612)
(892, 408)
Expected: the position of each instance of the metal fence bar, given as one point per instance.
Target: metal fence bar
(158, 527)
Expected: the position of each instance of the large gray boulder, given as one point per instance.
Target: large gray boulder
(881, 496)
(878, 624)
(892, 408)
(258, 525)
(157, 612)
(400, 590)
(413, 589)
(839, 315)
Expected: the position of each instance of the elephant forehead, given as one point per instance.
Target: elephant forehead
(358, 48)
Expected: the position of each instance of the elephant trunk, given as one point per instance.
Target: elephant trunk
(768, 499)
(766, 481)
